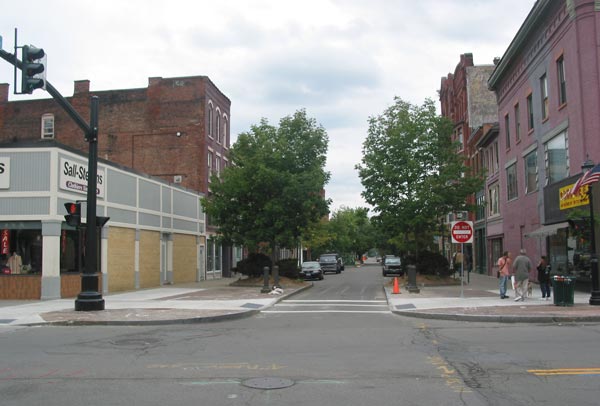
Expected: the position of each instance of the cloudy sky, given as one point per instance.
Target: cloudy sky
(342, 60)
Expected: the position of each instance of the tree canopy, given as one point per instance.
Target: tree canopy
(272, 191)
(412, 172)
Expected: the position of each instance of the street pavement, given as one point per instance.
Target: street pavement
(215, 300)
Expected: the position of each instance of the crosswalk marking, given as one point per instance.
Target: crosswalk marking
(329, 306)
(326, 311)
(336, 301)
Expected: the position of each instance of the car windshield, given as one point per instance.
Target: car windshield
(392, 261)
(310, 265)
(327, 259)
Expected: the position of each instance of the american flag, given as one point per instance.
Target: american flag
(591, 176)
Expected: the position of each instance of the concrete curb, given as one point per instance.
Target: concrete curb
(431, 314)
(496, 318)
(185, 320)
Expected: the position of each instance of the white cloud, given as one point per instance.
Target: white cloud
(341, 60)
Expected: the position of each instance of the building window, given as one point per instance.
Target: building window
(495, 159)
(511, 182)
(531, 172)
(480, 213)
(517, 123)
(497, 249)
(507, 130)
(530, 112)
(557, 163)
(48, 126)
(544, 94)
(562, 83)
(493, 202)
(218, 166)
(209, 165)
(218, 128)
(459, 137)
(225, 129)
(210, 119)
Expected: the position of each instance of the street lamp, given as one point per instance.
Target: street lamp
(595, 297)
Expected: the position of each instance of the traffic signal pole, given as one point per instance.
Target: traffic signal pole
(90, 297)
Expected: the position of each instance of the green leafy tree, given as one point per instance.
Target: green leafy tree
(272, 191)
(349, 232)
(411, 173)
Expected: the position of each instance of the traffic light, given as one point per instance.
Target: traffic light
(74, 217)
(33, 69)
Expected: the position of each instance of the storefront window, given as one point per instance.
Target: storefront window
(496, 251)
(21, 249)
(579, 252)
(557, 252)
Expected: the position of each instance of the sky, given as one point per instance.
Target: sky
(343, 61)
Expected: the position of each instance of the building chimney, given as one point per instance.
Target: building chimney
(155, 81)
(82, 86)
(3, 92)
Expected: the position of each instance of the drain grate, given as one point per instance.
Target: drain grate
(268, 383)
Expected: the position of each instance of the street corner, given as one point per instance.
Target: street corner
(141, 316)
(507, 314)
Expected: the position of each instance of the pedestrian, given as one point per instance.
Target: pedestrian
(504, 266)
(543, 269)
(521, 268)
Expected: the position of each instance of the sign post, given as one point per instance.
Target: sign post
(462, 233)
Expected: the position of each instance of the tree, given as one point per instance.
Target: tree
(412, 173)
(272, 191)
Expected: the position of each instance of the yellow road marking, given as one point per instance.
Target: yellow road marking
(565, 371)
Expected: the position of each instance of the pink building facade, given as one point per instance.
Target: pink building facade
(548, 92)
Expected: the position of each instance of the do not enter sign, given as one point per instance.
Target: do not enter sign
(462, 232)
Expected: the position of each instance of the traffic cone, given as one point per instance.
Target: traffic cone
(396, 286)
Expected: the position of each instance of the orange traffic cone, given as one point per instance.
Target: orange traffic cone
(396, 286)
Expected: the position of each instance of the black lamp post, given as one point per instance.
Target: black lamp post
(595, 297)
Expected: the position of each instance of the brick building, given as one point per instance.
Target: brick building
(176, 129)
(467, 102)
(548, 92)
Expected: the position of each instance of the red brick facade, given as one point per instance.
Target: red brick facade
(162, 130)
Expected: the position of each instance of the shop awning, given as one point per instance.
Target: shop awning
(545, 231)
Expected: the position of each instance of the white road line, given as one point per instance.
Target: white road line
(335, 301)
(326, 311)
(285, 304)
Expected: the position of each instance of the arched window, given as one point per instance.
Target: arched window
(218, 127)
(210, 118)
(225, 130)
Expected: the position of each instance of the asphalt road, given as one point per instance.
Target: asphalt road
(334, 344)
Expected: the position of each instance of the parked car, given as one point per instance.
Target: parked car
(331, 263)
(311, 270)
(385, 257)
(392, 265)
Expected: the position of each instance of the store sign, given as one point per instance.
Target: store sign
(580, 199)
(74, 177)
(4, 172)
(5, 242)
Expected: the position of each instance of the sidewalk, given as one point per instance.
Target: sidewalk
(480, 301)
(215, 300)
(201, 302)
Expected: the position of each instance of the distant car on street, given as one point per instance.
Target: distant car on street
(393, 265)
(311, 270)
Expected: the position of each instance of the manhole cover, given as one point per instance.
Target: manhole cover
(268, 383)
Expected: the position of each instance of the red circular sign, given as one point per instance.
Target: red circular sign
(462, 232)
